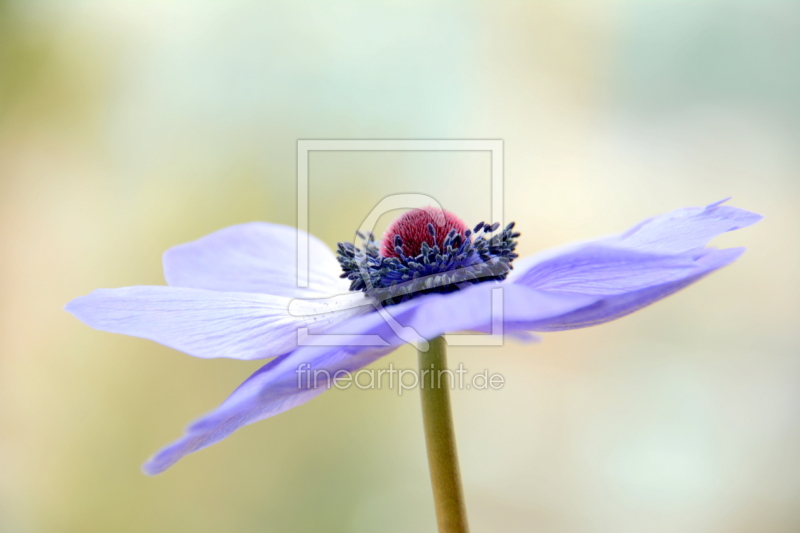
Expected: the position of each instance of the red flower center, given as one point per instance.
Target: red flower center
(413, 229)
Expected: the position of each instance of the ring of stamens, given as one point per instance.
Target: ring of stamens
(443, 265)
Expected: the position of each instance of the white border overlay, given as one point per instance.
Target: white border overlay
(305, 146)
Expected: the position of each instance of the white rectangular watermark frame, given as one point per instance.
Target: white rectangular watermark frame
(493, 146)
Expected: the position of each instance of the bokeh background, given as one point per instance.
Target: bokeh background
(129, 127)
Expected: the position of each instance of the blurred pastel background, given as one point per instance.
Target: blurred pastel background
(129, 127)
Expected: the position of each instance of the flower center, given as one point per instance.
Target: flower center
(425, 251)
(429, 225)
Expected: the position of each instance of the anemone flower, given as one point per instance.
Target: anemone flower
(234, 294)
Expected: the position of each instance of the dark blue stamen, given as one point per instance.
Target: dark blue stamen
(460, 262)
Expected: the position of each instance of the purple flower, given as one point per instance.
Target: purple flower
(229, 295)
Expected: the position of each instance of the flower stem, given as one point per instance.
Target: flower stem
(440, 439)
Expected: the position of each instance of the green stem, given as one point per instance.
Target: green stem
(440, 439)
